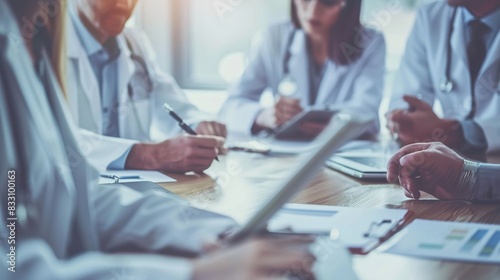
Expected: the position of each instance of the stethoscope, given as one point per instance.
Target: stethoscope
(288, 85)
(447, 85)
(141, 84)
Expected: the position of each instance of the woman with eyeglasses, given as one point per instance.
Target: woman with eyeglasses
(324, 58)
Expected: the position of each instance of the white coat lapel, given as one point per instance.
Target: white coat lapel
(126, 69)
(458, 38)
(299, 66)
(492, 59)
(86, 77)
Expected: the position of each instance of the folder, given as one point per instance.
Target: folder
(359, 229)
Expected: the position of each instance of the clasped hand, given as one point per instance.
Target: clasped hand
(429, 167)
(419, 123)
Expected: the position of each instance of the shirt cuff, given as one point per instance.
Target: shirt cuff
(475, 140)
(119, 163)
(486, 187)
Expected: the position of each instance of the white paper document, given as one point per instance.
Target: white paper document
(356, 228)
(449, 241)
(129, 176)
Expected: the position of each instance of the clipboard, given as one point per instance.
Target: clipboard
(359, 229)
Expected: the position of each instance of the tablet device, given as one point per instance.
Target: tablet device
(369, 166)
(290, 130)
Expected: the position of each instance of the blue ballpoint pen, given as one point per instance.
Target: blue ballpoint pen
(181, 122)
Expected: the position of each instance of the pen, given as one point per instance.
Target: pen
(118, 178)
(121, 177)
(181, 122)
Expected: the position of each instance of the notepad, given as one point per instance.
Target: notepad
(148, 176)
(448, 240)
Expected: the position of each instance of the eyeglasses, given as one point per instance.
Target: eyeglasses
(329, 3)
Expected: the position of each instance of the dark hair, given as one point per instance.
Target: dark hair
(344, 49)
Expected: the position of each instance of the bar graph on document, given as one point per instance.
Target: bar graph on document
(448, 240)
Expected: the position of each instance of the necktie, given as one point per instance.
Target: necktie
(476, 52)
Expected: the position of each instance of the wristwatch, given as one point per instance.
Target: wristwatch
(467, 182)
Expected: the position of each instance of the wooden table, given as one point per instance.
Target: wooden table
(242, 182)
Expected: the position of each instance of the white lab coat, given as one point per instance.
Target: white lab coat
(76, 224)
(355, 88)
(140, 119)
(423, 69)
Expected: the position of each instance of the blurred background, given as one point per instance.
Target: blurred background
(204, 44)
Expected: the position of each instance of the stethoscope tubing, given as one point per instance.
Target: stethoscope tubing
(139, 61)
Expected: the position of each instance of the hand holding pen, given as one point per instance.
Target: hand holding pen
(181, 122)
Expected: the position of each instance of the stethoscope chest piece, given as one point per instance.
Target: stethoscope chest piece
(446, 86)
(288, 86)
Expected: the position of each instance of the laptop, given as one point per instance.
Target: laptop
(367, 166)
(341, 129)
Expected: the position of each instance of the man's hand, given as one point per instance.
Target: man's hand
(429, 167)
(181, 154)
(420, 124)
(212, 128)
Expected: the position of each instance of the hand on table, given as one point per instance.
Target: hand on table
(429, 167)
(182, 154)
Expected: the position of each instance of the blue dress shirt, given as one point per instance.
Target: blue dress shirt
(104, 61)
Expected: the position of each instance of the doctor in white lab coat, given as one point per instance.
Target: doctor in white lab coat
(62, 225)
(333, 61)
(428, 75)
(124, 98)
